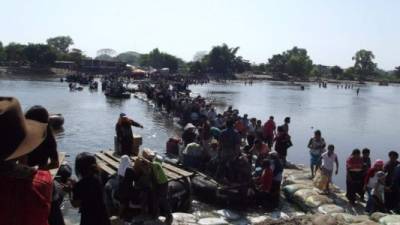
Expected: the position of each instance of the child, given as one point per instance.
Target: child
(328, 159)
(87, 193)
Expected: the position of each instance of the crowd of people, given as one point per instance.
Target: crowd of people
(228, 145)
(233, 149)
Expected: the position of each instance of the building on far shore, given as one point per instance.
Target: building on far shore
(92, 66)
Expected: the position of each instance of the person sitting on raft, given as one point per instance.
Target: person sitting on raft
(124, 133)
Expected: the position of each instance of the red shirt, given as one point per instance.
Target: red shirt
(25, 201)
(266, 180)
(354, 163)
(268, 129)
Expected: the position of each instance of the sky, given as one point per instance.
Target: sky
(331, 30)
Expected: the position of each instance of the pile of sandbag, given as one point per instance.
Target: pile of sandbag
(299, 188)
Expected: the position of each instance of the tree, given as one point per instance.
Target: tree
(317, 72)
(222, 59)
(298, 62)
(60, 43)
(131, 58)
(2, 53)
(158, 60)
(336, 71)
(105, 57)
(106, 51)
(364, 64)
(76, 55)
(198, 56)
(349, 73)
(397, 72)
(14, 52)
(277, 63)
(40, 54)
(258, 68)
(295, 62)
(197, 68)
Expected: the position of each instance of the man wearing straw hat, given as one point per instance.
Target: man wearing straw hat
(25, 192)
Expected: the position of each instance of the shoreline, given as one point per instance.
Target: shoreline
(57, 73)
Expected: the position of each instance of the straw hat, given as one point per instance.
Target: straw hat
(19, 136)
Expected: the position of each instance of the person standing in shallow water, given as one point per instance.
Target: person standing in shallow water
(87, 193)
(317, 147)
(124, 133)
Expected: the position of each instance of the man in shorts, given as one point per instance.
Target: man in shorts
(328, 159)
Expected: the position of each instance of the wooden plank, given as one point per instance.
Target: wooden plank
(172, 172)
(106, 168)
(110, 154)
(177, 170)
(107, 160)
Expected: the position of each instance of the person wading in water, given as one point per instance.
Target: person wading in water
(124, 133)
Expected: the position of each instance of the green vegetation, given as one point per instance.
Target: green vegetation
(221, 61)
(3, 55)
(294, 62)
(158, 60)
(41, 55)
(364, 65)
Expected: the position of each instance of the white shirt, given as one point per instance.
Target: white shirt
(372, 181)
(328, 161)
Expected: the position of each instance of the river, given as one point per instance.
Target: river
(346, 120)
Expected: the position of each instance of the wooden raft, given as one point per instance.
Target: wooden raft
(109, 163)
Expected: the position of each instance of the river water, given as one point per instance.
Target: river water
(346, 120)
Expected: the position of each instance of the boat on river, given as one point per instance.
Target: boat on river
(116, 89)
